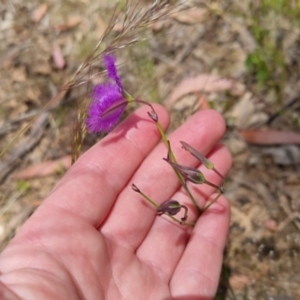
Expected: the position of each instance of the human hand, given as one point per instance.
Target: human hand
(95, 238)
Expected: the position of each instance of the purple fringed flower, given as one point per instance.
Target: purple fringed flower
(112, 73)
(108, 102)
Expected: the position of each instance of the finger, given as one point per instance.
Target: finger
(131, 216)
(198, 271)
(166, 240)
(91, 186)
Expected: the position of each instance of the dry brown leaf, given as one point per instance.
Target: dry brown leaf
(39, 13)
(44, 169)
(191, 16)
(270, 137)
(159, 25)
(203, 103)
(69, 24)
(58, 57)
(271, 225)
(205, 83)
(118, 27)
(238, 282)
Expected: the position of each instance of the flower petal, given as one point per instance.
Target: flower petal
(110, 64)
(105, 96)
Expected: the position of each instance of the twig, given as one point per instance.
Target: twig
(189, 48)
(289, 104)
(33, 138)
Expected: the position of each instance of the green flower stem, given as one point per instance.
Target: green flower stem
(218, 173)
(166, 141)
(173, 158)
(154, 117)
(153, 203)
(192, 197)
(213, 185)
(149, 200)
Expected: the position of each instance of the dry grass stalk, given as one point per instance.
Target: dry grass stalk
(135, 17)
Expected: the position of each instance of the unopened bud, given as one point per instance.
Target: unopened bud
(190, 174)
(171, 207)
(207, 163)
(153, 115)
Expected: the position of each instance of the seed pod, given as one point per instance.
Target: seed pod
(207, 163)
(153, 115)
(171, 207)
(190, 174)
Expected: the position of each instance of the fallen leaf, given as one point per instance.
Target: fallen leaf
(238, 282)
(271, 225)
(203, 103)
(270, 137)
(118, 27)
(39, 13)
(58, 57)
(191, 16)
(204, 83)
(69, 24)
(44, 169)
(159, 25)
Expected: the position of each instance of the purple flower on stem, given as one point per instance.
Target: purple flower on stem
(112, 73)
(108, 102)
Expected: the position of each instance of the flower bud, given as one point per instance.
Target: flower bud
(153, 115)
(171, 207)
(189, 174)
(207, 163)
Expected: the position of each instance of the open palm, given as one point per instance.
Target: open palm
(95, 238)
